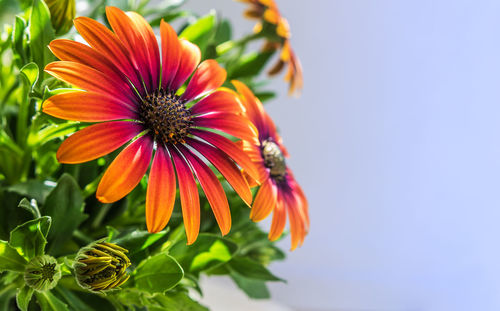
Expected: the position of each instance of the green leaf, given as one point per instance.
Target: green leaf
(31, 207)
(41, 33)
(207, 252)
(158, 273)
(178, 301)
(251, 269)
(34, 189)
(251, 64)
(23, 297)
(224, 32)
(49, 302)
(255, 289)
(138, 240)
(30, 74)
(29, 238)
(218, 251)
(64, 205)
(201, 31)
(74, 302)
(10, 258)
(18, 41)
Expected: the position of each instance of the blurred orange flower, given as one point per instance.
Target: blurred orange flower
(267, 12)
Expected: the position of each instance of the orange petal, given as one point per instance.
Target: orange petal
(222, 100)
(232, 124)
(189, 59)
(160, 197)
(133, 31)
(106, 42)
(126, 170)
(212, 188)
(226, 167)
(279, 219)
(190, 199)
(171, 54)
(88, 79)
(69, 50)
(87, 107)
(297, 228)
(96, 140)
(252, 104)
(209, 76)
(265, 201)
(231, 149)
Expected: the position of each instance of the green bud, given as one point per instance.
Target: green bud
(42, 273)
(62, 13)
(101, 266)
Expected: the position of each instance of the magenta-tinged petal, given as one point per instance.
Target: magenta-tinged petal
(160, 197)
(232, 124)
(225, 166)
(212, 188)
(207, 78)
(223, 100)
(231, 149)
(190, 57)
(190, 199)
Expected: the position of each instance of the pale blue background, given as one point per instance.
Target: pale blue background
(396, 142)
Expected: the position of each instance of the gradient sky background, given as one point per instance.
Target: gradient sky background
(395, 141)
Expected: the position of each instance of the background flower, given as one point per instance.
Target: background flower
(279, 192)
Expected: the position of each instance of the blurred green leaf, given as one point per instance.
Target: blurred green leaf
(20, 55)
(201, 31)
(158, 273)
(53, 131)
(250, 64)
(29, 238)
(33, 188)
(30, 74)
(10, 258)
(73, 301)
(265, 96)
(23, 297)
(207, 252)
(65, 205)
(224, 32)
(49, 302)
(178, 301)
(251, 269)
(255, 289)
(41, 33)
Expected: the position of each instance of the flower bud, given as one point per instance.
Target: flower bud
(42, 273)
(101, 266)
(62, 13)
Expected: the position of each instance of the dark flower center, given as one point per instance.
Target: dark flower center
(274, 159)
(166, 116)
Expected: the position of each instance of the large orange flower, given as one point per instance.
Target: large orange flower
(268, 13)
(133, 91)
(279, 192)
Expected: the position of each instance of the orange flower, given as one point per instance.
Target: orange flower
(133, 91)
(279, 192)
(267, 11)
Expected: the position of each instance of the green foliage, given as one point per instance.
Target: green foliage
(23, 297)
(149, 278)
(64, 205)
(10, 259)
(29, 239)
